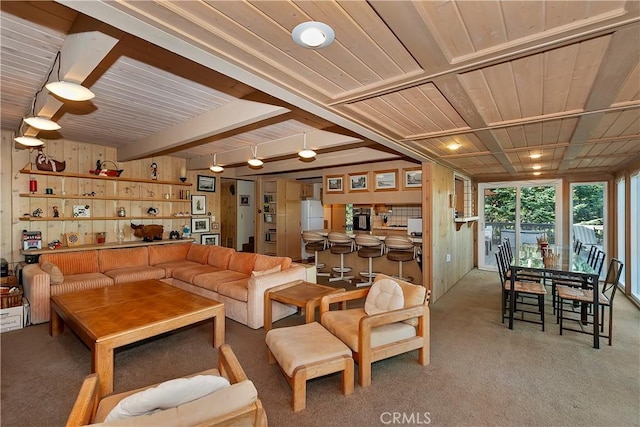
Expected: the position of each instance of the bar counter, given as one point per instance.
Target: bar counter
(380, 264)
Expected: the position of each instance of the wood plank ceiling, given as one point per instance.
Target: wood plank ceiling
(504, 79)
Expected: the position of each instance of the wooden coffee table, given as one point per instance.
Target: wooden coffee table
(299, 293)
(113, 316)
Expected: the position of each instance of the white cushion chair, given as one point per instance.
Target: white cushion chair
(393, 320)
(198, 399)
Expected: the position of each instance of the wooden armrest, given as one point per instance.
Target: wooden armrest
(86, 403)
(393, 316)
(229, 366)
(341, 297)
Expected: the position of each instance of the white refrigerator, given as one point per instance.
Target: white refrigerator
(312, 218)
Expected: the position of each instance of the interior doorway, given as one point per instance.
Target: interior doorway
(237, 214)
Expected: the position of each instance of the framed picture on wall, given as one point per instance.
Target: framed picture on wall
(198, 205)
(200, 225)
(207, 183)
(244, 200)
(358, 182)
(385, 180)
(412, 179)
(334, 184)
(210, 239)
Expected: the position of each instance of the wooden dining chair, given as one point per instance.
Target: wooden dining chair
(585, 296)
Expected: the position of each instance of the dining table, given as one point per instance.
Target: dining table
(555, 262)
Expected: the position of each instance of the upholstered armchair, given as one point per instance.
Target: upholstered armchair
(234, 401)
(393, 320)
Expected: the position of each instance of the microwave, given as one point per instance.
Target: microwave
(414, 226)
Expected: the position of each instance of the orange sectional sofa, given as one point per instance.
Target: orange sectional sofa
(238, 279)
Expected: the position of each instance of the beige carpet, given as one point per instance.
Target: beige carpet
(481, 373)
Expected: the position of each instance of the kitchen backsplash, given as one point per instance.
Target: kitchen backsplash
(397, 216)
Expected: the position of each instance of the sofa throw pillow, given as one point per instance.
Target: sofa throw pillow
(275, 269)
(166, 395)
(55, 274)
(384, 295)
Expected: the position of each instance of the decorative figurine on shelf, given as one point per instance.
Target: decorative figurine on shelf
(56, 214)
(148, 232)
(37, 213)
(154, 171)
(186, 231)
(46, 163)
(153, 211)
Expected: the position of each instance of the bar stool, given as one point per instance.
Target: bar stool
(315, 242)
(400, 249)
(369, 246)
(341, 244)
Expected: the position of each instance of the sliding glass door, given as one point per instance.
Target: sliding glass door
(518, 211)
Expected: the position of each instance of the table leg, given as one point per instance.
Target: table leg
(102, 364)
(310, 311)
(56, 326)
(218, 329)
(267, 311)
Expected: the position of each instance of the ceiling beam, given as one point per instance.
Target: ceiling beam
(236, 114)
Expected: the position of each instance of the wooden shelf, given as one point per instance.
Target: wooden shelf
(103, 246)
(101, 218)
(102, 177)
(469, 220)
(79, 197)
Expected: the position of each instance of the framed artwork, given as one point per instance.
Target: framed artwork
(412, 179)
(210, 239)
(207, 183)
(386, 180)
(334, 184)
(244, 200)
(200, 225)
(358, 182)
(72, 239)
(198, 205)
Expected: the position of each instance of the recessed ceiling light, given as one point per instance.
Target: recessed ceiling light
(454, 145)
(313, 35)
(535, 155)
(537, 173)
(536, 167)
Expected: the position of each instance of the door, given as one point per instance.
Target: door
(521, 212)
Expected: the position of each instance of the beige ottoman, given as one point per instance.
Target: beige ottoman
(309, 351)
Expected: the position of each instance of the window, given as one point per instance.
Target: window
(634, 256)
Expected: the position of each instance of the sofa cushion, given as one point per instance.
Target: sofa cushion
(236, 289)
(161, 254)
(55, 274)
(81, 282)
(171, 266)
(73, 262)
(264, 262)
(187, 274)
(213, 280)
(198, 253)
(219, 256)
(166, 395)
(135, 274)
(243, 262)
(111, 259)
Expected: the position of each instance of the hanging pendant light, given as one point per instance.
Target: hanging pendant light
(254, 161)
(216, 167)
(27, 141)
(68, 90)
(42, 123)
(306, 153)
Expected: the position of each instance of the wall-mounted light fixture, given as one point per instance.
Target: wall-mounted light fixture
(216, 167)
(255, 161)
(306, 153)
(313, 35)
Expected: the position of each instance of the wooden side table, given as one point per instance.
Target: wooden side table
(299, 293)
